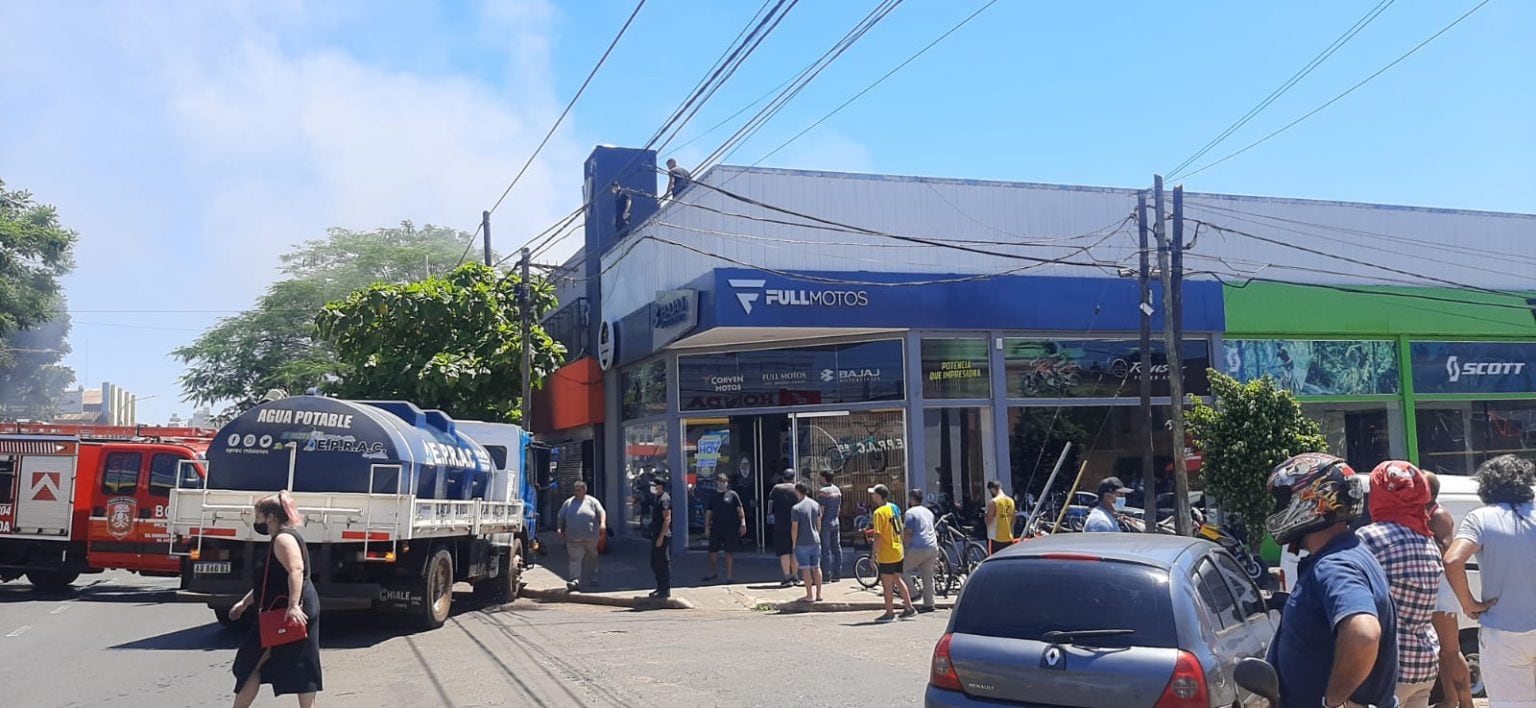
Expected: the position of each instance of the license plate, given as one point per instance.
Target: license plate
(211, 568)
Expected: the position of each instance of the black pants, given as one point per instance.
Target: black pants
(661, 565)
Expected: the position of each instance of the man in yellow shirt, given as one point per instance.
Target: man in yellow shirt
(1000, 512)
(885, 526)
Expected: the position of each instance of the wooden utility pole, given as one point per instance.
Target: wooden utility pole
(1144, 379)
(1171, 317)
(525, 305)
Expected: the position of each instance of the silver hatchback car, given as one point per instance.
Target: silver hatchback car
(1098, 619)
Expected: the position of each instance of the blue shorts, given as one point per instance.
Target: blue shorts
(808, 556)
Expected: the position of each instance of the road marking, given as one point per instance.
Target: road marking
(19, 631)
(59, 610)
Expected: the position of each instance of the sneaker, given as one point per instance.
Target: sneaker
(572, 586)
(909, 613)
(926, 610)
(798, 582)
(785, 583)
(887, 617)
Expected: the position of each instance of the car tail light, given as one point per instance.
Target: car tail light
(942, 672)
(1187, 687)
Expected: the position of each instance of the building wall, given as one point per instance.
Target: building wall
(1049, 222)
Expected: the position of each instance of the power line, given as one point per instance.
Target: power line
(1300, 74)
(1346, 92)
(879, 81)
(568, 106)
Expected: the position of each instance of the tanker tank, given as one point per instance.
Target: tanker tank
(335, 445)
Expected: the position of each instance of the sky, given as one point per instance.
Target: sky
(190, 144)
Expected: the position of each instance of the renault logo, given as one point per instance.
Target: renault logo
(1053, 658)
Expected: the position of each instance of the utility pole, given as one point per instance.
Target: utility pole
(485, 228)
(525, 300)
(1144, 380)
(1171, 318)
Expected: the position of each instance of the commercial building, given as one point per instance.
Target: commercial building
(109, 405)
(938, 333)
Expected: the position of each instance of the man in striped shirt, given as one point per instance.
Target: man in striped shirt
(1400, 538)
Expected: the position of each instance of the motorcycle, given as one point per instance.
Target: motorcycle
(1234, 539)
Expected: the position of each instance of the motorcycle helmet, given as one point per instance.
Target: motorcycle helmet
(1312, 491)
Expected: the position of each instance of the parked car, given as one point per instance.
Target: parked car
(1112, 620)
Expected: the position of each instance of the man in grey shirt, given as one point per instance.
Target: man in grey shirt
(1503, 537)
(582, 521)
(805, 534)
(922, 545)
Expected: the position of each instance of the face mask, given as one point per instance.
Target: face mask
(1119, 503)
(261, 528)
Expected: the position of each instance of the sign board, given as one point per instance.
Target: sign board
(607, 344)
(956, 368)
(842, 373)
(1473, 367)
(674, 313)
(1321, 367)
(1097, 368)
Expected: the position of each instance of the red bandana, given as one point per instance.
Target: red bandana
(1400, 493)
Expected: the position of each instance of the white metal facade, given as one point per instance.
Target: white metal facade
(690, 237)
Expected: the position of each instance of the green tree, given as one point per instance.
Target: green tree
(36, 251)
(452, 342)
(273, 345)
(1251, 428)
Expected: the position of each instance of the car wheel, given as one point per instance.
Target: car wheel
(1469, 649)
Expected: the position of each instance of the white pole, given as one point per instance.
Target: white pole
(293, 459)
(1045, 493)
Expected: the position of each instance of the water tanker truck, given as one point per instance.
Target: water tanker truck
(399, 504)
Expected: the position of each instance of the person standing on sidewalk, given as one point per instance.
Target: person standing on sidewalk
(780, 500)
(1337, 644)
(1102, 517)
(661, 535)
(830, 497)
(921, 543)
(726, 520)
(1455, 674)
(582, 521)
(1000, 511)
(885, 526)
(1502, 535)
(1400, 538)
(805, 532)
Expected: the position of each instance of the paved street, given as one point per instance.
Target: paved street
(121, 639)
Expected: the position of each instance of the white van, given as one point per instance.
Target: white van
(1458, 495)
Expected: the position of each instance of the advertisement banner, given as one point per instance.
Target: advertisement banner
(1097, 368)
(956, 368)
(1316, 367)
(1473, 367)
(843, 373)
(673, 314)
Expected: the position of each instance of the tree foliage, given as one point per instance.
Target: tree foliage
(273, 345)
(1251, 428)
(36, 251)
(452, 342)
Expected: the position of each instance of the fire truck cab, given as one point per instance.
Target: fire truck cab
(80, 503)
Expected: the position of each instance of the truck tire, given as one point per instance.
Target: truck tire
(52, 579)
(505, 588)
(437, 590)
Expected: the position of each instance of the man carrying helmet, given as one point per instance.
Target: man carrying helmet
(1337, 642)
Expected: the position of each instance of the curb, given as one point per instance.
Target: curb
(794, 607)
(638, 603)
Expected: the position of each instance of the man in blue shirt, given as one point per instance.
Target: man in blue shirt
(1101, 518)
(1337, 644)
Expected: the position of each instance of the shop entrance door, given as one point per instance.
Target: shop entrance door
(860, 449)
(750, 451)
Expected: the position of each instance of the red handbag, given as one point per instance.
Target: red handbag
(275, 627)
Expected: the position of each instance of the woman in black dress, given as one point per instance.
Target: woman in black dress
(290, 668)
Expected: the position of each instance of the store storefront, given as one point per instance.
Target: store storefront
(1447, 386)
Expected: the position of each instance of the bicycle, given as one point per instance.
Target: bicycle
(946, 580)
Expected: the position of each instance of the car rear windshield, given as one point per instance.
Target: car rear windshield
(1023, 598)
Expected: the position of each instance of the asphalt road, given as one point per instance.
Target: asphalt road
(120, 639)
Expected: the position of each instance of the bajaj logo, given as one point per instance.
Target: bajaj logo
(747, 298)
(1457, 370)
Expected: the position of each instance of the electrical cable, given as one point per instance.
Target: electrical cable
(556, 126)
(1300, 74)
(1346, 92)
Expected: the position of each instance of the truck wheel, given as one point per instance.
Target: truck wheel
(437, 590)
(52, 579)
(505, 588)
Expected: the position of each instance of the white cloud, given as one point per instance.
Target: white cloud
(193, 144)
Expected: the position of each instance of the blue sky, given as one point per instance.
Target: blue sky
(190, 144)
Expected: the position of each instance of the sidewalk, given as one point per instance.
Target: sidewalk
(625, 578)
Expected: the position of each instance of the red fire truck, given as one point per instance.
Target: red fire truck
(86, 498)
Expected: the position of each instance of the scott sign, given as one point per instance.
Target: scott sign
(1456, 369)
